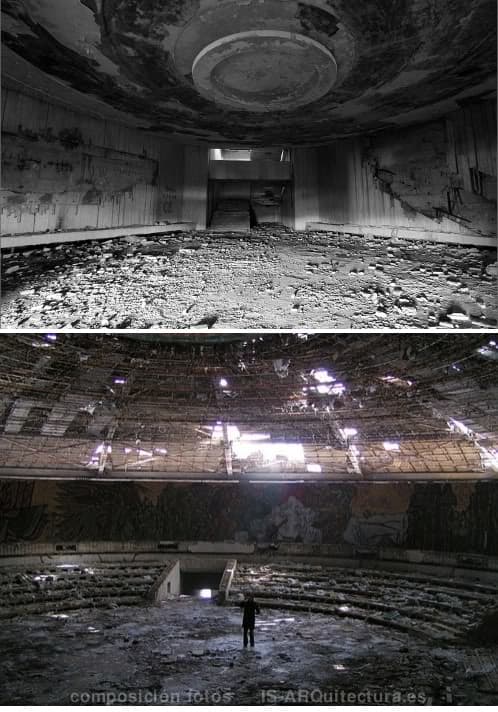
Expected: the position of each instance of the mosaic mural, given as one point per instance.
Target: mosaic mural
(431, 516)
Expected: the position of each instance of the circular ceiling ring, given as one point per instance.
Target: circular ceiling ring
(264, 71)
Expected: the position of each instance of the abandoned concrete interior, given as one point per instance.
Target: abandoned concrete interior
(227, 229)
(348, 481)
(249, 164)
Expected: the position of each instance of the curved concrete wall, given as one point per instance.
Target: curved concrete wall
(407, 178)
(64, 170)
(348, 518)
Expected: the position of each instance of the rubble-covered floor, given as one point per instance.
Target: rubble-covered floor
(270, 278)
(189, 651)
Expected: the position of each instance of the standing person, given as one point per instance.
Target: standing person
(250, 608)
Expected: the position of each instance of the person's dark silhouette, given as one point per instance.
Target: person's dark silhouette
(250, 608)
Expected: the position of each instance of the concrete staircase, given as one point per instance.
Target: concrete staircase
(421, 605)
(231, 215)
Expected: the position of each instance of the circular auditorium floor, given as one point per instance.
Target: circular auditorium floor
(270, 278)
(189, 651)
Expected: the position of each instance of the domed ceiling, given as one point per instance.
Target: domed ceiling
(254, 72)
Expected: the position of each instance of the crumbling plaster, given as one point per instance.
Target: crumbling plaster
(395, 57)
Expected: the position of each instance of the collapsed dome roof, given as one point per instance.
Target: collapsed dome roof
(254, 72)
(308, 406)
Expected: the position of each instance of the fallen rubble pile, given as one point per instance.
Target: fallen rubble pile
(270, 277)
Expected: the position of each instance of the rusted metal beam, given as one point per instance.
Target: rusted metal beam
(133, 475)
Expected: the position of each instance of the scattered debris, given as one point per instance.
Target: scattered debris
(271, 277)
(486, 631)
(191, 653)
(69, 587)
(423, 606)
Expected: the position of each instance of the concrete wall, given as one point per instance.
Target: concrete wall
(287, 207)
(195, 195)
(64, 170)
(461, 516)
(266, 201)
(232, 190)
(168, 583)
(264, 196)
(250, 170)
(457, 565)
(401, 178)
(305, 169)
(226, 580)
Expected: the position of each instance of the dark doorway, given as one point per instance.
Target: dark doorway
(201, 584)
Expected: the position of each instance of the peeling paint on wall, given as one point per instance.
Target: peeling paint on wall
(419, 176)
(373, 531)
(463, 494)
(388, 501)
(290, 521)
(89, 174)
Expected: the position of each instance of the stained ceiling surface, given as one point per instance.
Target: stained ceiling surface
(270, 407)
(254, 72)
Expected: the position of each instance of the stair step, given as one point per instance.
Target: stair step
(232, 216)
